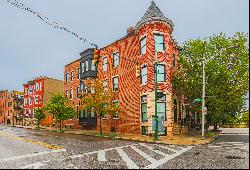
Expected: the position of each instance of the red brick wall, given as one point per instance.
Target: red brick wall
(130, 88)
(6, 112)
(72, 85)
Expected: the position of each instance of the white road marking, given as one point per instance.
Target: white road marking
(31, 155)
(165, 147)
(101, 156)
(94, 152)
(129, 162)
(167, 158)
(154, 150)
(144, 155)
(35, 165)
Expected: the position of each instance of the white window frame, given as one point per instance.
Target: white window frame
(118, 107)
(72, 76)
(87, 65)
(146, 75)
(141, 38)
(162, 34)
(71, 96)
(113, 82)
(105, 65)
(116, 53)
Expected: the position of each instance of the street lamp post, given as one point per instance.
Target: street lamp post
(156, 83)
(203, 99)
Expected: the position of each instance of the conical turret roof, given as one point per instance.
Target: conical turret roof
(154, 14)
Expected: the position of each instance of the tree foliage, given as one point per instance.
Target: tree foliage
(39, 115)
(100, 99)
(227, 76)
(60, 107)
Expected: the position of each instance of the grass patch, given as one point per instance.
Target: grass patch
(211, 134)
(59, 131)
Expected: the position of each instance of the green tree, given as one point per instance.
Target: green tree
(245, 118)
(100, 100)
(39, 115)
(61, 108)
(226, 60)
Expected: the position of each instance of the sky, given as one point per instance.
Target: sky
(31, 48)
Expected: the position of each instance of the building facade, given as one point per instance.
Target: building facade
(10, 106)
(149, 41)
(37, 93)
(71, 90)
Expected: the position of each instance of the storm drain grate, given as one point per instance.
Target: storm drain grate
(234, 157)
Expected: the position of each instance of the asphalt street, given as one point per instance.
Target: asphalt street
(27, 149)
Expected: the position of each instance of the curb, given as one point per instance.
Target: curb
(120, 138)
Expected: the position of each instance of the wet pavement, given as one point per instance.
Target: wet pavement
(28, 149)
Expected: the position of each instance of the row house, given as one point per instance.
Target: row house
(75, 74)
(71, 90)
(150, 40)
(10, 107)
(37, 93)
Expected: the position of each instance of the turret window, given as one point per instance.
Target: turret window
(159, 43)
(143, 45)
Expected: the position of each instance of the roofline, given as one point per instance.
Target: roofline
(72, 62)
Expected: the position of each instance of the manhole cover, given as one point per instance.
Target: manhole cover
(234, 157)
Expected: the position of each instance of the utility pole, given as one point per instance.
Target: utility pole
(156, 83)
(203, 99)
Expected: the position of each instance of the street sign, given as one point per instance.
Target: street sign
(204, 111)
(198, 100)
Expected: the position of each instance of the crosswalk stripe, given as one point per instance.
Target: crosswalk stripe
(152, 149)
(167, 158)
(101, 156)
(129, 162)
(165, 147)
(150, 159)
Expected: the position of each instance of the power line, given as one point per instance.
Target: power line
(56, 25)
(48, 21)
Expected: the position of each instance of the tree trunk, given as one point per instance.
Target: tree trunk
(100, 125)
(60, 125)
(215, 127)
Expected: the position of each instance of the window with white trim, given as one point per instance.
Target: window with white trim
(105, 64)
(67, 93)
(87, 65)
(159, 43)
(72, 76)
(115, 84)
(41, 85)
(92, 65)
(144, 72)
(116, 105)
(161, 73)
(37, 86)
(30, 101)
(143, 46)
(116, 59)
(79, 73)
(71, 95)
(144, 114)
(83, 66)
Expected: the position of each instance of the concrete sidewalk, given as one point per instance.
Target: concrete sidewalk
(173, 140)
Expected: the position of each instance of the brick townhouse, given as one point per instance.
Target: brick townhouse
(10, 106)
(152, 36)
(37, 93)
(74, 75)
(71, 90)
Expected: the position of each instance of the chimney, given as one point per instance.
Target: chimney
(130, 31)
